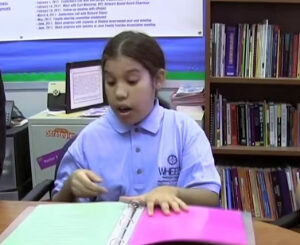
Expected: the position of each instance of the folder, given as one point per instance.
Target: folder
(117, 223)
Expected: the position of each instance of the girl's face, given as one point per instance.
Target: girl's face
(130, 89)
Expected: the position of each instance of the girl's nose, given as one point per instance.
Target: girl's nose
(121, 92)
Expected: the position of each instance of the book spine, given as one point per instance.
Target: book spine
(270, 193)
(248, 122)
(277, 192)
(236, 190)
(264, 194)
(286, 55)
(261, 124)
(224, 121)
(290, 67)
(228, 116)
(212, 121)
(260, 195)
(295, 127)
(252, 126)
(231, 51)
(283, 125)
(284, 190)
(257, 132)
(234, 139)
(279, 125)
(295, 55)
(275, 51)
(272, 127)
(228, 189)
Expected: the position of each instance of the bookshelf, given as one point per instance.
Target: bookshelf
(284, 13)
(279, 86)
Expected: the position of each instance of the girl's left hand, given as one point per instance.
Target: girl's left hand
(164, 196)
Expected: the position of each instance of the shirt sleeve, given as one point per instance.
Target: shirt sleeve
(198, 169)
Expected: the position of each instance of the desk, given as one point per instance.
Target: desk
(264, 233)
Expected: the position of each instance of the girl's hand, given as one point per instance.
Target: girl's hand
(164, 196)
(85, 183)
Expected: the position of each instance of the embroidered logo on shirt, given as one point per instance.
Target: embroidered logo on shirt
(169, 172)
(172, 159)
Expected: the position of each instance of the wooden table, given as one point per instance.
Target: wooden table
(264, 233)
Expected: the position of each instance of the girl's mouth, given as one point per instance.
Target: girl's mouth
(124, 110)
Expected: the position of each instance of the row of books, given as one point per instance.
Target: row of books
(253, 123)
(254, 50)
(266, 193)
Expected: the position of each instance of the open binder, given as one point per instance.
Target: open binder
(117, 223)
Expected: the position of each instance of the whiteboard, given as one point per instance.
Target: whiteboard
(67, 19)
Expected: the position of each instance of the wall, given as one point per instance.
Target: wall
(32, 98)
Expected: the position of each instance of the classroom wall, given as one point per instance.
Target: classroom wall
(32, 98)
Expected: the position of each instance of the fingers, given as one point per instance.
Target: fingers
(166, 205)
(182, 204)
(85, 183)
(150, 207)
(92, 176)
(128, 199)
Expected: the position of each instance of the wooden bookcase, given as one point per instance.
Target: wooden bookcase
(286, 14)
(250, 91)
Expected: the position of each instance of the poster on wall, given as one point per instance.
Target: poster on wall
(68, 19)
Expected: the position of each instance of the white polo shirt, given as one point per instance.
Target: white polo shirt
(166, 148)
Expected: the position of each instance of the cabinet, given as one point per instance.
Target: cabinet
(278, 88)
(47, 135)
(15, 181)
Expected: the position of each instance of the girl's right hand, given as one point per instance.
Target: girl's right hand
(85, 183)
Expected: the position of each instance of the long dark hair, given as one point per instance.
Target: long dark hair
(140, 47)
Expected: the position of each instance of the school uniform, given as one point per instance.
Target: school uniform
(166, 148)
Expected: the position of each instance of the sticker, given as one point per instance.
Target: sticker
(48, 160)
(60, 133)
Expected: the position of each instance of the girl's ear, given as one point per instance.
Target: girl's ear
(160, 79)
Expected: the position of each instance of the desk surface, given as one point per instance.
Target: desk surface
(264, 233)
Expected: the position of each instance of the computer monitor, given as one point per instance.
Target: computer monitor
(84, 85)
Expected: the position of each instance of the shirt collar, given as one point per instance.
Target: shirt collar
(151, 123)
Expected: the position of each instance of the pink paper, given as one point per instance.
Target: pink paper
(198, 224)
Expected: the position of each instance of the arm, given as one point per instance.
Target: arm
(171, 197)
(65, 194)
(199, 196)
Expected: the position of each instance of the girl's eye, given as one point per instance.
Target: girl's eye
(132, 82)
(110, 83)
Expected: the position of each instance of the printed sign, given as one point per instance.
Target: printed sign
(62, 19)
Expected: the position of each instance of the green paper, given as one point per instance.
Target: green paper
(68, 224)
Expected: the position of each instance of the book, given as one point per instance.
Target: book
(120, 223)
(231, 51)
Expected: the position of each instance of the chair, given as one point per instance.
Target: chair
(2, 124)
(47, 185)
(290, 220)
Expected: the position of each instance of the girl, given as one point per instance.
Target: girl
(138, 151)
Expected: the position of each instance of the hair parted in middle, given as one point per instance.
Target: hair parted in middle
(136, 45)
